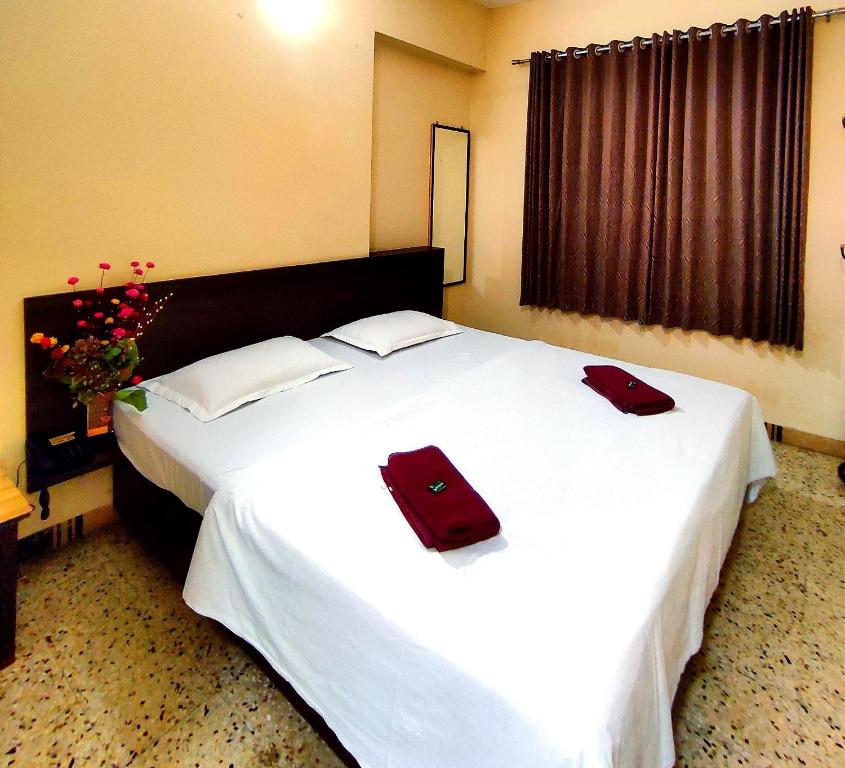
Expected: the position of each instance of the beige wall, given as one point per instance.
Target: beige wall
(805, 390)
(192, 133)
(411, 90)
(451, 28)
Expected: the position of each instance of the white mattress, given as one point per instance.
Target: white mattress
(557, 644)
(190, 458)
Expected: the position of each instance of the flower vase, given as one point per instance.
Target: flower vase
(99, 416)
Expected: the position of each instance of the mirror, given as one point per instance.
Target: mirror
(450, 199)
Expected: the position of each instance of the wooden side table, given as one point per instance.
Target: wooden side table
(13, 508)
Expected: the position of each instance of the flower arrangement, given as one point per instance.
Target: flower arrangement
(103, 359)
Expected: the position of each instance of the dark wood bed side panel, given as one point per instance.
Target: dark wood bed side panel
(215, 313)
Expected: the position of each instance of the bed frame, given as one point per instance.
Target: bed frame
(208, 315)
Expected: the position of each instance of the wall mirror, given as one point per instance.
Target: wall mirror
(450, 199)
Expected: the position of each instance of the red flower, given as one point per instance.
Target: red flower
(105, 265)
(150, 264)
(132, 293)
(139, 271)
(100, 289)
(134, 263)
(145, 297)
(56, 353)
(126, 312)
(81, 323)
(119, 333)
(98, 315)
(136, 380)
(77, 303)
(72, 280)
(45, 342)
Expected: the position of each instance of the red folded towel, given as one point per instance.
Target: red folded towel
(444, 510)
(628, 393)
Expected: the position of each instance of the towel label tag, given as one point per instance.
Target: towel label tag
(437, 487)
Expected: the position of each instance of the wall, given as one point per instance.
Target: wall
(806, 390)
(411, 90)
(196, 134)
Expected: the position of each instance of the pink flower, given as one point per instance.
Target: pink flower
(77, 303)
(136, 380)
(125, 312)
(98, 315)
(132, 293)
(119, 333)
(105, 265)
(72, 280)
(150, 264)
(134, 263)
(139, 271)
(81, 323)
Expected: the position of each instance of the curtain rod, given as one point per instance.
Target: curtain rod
(685, 36)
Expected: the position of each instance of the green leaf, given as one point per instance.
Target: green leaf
(134, 397)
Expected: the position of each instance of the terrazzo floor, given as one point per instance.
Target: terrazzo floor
(114, 670)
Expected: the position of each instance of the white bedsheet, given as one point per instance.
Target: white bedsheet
(558, 644)
(189, 458)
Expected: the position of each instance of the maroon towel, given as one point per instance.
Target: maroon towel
(628, 393)
(444, 510)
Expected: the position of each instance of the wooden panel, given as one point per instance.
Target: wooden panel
(8, 591)
(212, 314)
(13, 504)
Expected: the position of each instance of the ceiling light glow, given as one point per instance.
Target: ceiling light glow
(294, 17)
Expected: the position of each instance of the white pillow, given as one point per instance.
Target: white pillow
(395, 330)
(220, 383)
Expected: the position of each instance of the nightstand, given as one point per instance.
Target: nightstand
(13, 508)
(50, 465)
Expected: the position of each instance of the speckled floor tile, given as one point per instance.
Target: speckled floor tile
(766, 688)
(251, 724)
(114, 669)
(45, 723)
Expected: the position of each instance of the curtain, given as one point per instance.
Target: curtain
(667, 183)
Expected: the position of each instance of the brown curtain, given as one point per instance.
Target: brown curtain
(667, 183)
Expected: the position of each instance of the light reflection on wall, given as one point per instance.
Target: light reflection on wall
(294, 18)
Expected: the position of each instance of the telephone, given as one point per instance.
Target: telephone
(62, 453)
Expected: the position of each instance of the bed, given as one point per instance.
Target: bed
(557, 644)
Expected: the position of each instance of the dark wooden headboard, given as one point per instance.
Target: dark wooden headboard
(215, 313)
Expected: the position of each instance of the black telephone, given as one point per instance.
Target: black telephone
(52, 455)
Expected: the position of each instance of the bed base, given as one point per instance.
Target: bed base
(168, 529)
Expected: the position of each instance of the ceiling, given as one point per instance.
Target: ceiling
(497, 3)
